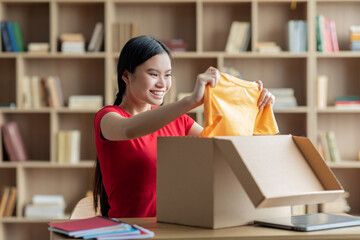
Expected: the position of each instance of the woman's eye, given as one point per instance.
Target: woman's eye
(153, 74)
(168, 75)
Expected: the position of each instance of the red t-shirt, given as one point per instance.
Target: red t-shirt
(129, 167)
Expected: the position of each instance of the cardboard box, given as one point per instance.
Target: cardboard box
(230, 181)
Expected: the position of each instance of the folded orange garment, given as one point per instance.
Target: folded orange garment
(230, 109)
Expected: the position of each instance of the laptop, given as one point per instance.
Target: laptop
(311, 222)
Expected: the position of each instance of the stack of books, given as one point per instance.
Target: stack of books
(46, 206)
(100, 228)
(38, 47)
(267, 47)
(355, 37)
(284, 98)
(72, 43)
(349, 101)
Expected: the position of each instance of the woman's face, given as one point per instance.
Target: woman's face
(150, 81)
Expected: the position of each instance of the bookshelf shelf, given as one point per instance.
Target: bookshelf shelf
(345, 164)
(339, 110)
(204, 25)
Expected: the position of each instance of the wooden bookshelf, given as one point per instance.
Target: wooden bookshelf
(205, 25)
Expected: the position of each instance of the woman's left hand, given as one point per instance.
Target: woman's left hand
(266, 97)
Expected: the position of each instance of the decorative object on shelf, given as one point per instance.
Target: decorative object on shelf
(72, 43)
(322, 89)
(68, 147)
(14, 143)
(238, 38)
(326, 36)
(297, 36)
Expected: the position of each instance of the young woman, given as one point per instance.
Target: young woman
(126, 133)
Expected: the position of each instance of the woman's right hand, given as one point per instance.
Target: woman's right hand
(210, 76)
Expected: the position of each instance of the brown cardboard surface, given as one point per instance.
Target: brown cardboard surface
(227, 181)
(281, 171)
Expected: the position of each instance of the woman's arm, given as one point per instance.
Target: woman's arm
(115, 127)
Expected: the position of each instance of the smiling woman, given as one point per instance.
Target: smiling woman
(126, 133)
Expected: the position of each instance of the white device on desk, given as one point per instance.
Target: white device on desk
(311, 222)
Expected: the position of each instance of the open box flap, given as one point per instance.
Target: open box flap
(274, 172)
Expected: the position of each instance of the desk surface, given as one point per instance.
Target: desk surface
(253, 232)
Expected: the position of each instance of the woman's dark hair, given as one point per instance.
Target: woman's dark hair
(135, 52)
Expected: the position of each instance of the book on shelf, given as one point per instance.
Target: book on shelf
(333, 146)
(12, 37)
(42, 92)
(347, 102)
(38, 47)
(27, 96)
(72, 43)
(6, 37)
(239, 37)
(68, 146)
(10, 29)
(13, 142)
(18, 37)
(328, 147)
(85, 101)
(122, 32)
(297, 36)
(326, 35)
(35, 91)
(176, 45)
(322, 89)
(267, 47)
(45, 199)
(45, 206)
(11, 202)
(355, 37)
(4, 198)
(100, 228)
(50, 92)
(97, 38)
(284, 98)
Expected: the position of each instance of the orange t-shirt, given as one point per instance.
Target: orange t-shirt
(231, 109)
